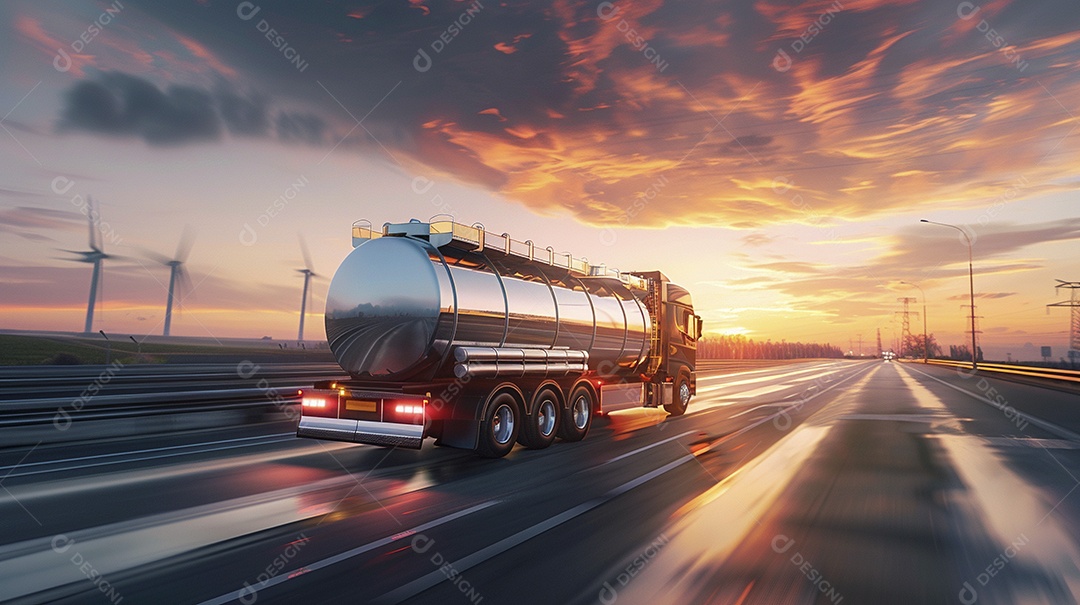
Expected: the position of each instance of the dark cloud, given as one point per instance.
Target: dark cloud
(885, 106)
(243, 116)
(119, 104)
(123, 105)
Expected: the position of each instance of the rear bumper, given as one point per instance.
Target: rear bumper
(362, 431)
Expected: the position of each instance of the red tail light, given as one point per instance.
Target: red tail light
(406, 412)
(314, 403)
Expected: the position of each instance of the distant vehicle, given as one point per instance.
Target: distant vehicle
(482, 341)
(888, 356)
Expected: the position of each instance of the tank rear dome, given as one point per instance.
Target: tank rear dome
(382, 308)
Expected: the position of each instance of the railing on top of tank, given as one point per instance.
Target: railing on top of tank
(362, 229)
(626, 278)
(480, 237)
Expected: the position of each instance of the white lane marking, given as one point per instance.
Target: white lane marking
(714, 524)
(647, 447)
(748, 372)
(436, 577)
(468, 562)
(266, 439)
(72, 487)
(785, 409)
(719, 405)
(1009, 506)
(811, 370)
(34, 565)
(1032, 442)
(736, 433)
(338, 558)
(1047, 426)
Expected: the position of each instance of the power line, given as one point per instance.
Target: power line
(1074, 303)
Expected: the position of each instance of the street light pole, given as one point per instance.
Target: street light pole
(925, 342)
(971, 288)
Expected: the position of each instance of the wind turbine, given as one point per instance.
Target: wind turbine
(308, 274)
(95, 255)
(179, 282)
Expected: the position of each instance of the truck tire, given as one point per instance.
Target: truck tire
(681, 395)
(575, 423)
(543, 423)
(499, 429)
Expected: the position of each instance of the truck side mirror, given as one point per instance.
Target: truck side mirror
(700, 324)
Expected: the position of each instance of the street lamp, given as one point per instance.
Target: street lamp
(925, 342)
(971, 287)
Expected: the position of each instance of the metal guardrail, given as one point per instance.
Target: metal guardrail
(36, 395)
(1018, 370)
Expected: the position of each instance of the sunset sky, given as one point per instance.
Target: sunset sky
(773, 157)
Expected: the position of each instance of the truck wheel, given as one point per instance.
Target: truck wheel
(541, 425)
(682, 396)
(575, 424)
(499, 430)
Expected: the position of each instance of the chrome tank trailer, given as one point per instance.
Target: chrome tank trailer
(427, 300)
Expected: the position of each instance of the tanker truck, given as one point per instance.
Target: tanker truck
(482, 341)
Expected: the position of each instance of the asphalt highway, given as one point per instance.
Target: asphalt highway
(811, 482)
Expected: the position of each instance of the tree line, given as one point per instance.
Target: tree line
(741, 347)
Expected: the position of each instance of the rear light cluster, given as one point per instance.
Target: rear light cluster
(324, 403)
(404, 408)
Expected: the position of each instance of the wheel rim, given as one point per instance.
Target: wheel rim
(581, 412)
(545, 417)
(684, 393)
(502, 424)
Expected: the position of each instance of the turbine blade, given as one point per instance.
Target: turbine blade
(157, 257)
(100, 301)
(183, 248)
(184, 281)
(90, 223)
(307, 254)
